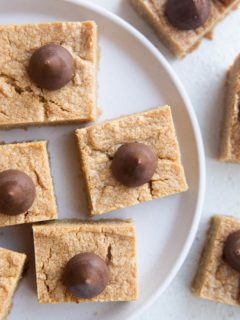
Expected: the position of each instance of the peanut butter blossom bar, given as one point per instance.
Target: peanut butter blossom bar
(51, 77)
(130, 160)
(181, 24)
(218, 275)
(26, 187)
(79, 261)
(230, 144)
(11, 268)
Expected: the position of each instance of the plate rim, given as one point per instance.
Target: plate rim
(114, 18)
(197, 135)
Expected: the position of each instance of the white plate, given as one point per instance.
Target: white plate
(133, 77)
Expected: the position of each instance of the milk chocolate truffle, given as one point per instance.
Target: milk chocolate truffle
(231, 250)
(86, 275)
(187, 14)
(134, 164)
(51, 67)
(17, 192)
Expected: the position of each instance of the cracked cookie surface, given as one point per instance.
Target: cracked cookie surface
(57, 242)
(215, 279)
(180, 42)
(21, 101)
(31, 158)
(98, 143)
(230, 143)
(11, 268)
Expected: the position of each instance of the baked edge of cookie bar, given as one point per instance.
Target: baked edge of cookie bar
(174, 47)
(19, 274)
(200, 282)
(116, 227)
(93, 110)
(231, 99)
(84, 166)
(43, 145)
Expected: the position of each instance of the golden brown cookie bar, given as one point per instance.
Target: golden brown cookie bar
(21, 101)
(215, 279)
(113, 240)
(98, 143)
(230, 144)
(11, 268)
(31, 158)
(180, 42)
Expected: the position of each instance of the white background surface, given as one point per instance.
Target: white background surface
(203, 74)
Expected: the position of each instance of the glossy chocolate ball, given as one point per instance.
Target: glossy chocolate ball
(134, 164)
(17, 192)
(188, 14)
(86, 275)
(51, 67)
(231, 250)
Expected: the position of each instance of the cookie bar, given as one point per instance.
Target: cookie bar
(112, 240)
(230, 144)
(22, 102)
(98, 144)
(215, 279)
(32, 159)
(180, 42)
(11, 268)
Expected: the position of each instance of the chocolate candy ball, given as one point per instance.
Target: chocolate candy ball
(17, 192)
(188, 14)
(231, 250)
(51, 67)
(134, 164)
(86, 275)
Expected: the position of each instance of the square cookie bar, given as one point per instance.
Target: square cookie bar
(98, 144)
(22, 103)
(230, 144)
(11, 268)
(215, 279)
(180, 42)
(32, 159)
(57, 242)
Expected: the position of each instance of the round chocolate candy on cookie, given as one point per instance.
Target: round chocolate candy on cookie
(231, 250)
(187, 14)
(86, 275)
(51, 66)
(134, 164)
(17, 192)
